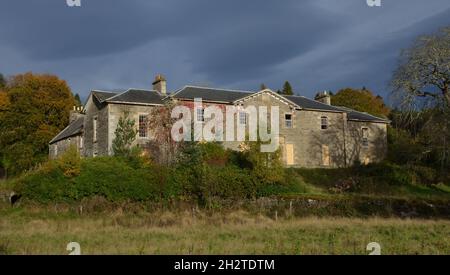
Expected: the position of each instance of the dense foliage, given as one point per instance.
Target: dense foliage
(206, 172)
(33, 109)
(361, 100)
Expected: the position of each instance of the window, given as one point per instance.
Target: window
(200, 115)
(288, 120)
(94, 126)
(143, 126)
(81, 143)
(365, 137)
(242, 118)
(324, 123)
(56, 149)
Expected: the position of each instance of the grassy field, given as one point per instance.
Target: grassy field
(47, 232)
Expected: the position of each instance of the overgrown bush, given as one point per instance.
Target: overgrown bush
(113, 178)
(386, 172)
(206, 173)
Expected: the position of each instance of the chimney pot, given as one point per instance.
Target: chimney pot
(323, 97)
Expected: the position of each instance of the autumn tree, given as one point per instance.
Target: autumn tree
(361, 100)
(37, 109)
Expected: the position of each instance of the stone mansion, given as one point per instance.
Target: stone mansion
(312, 133)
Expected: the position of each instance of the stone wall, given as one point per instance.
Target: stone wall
(116, 111)
(58, 148)
(376, 148)
(98, 147)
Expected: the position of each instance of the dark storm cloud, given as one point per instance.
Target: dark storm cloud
(316, 44)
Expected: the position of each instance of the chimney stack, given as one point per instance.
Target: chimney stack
(323, 97)
(160, 84)
(76, 113)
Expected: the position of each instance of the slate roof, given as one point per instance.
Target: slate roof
(103, 95)
(306, 103)
(74, 128)
(150, 97)
(210, 94)
(360, 116)
(137, 96)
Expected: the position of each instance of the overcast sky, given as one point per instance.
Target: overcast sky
(238, 44)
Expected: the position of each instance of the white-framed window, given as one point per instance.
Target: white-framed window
(81, 143)
(94, 129)
(143, 131)
(242, 118)
(365, 136)
(56, 149)
(200, 115)
(288, 120)
(324, 123)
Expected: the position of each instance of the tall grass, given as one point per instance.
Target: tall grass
(200, 232)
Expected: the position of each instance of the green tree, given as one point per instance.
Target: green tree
(125, 135)
(78, 100)
(287, 89)
(361, 100)
(37, 108)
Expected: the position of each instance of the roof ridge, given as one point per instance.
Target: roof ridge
(104, 91)
(365, 113)
(119, 94)
(140, 89)
(222, 89)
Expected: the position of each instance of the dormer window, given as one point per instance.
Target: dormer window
(324, 123)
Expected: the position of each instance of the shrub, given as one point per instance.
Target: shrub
(424, 175)
(70, 162)
(266, 167)
(112, 178)
(385, 172)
